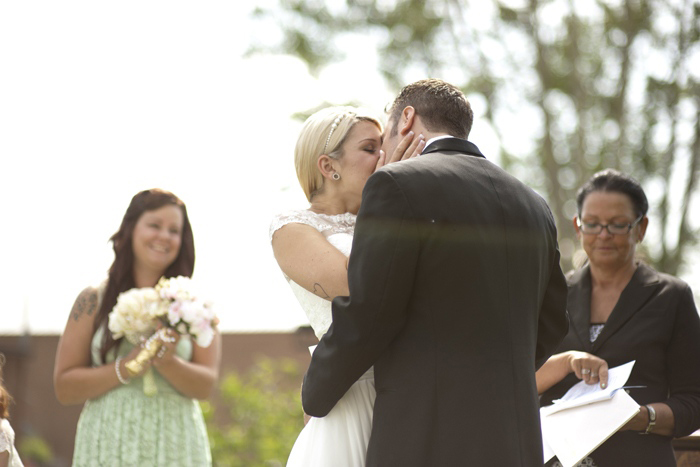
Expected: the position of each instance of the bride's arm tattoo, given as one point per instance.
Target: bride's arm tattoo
(85, 303)
(318, 290)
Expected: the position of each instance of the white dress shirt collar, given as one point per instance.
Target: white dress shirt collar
(436, 138)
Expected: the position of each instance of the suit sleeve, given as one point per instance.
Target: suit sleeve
(381, 272)
(553, 321)
(682, 363)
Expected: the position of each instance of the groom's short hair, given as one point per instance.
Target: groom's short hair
(441, 106)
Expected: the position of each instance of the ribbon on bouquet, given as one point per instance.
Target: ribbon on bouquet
(151, 348)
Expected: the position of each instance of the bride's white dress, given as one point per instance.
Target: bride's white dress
(340, 438)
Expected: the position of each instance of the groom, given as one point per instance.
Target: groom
(456, 298)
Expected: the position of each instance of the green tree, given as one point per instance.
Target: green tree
(259, 418)
(613, 85)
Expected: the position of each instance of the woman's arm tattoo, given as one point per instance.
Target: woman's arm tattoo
(85, 303)
(318, 290)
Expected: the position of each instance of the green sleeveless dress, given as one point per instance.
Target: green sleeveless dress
(125, 427)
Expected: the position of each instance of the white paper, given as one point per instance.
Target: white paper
(548, 451)
(582, 393)
(574, 433)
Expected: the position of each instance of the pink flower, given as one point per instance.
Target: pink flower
(174, 313)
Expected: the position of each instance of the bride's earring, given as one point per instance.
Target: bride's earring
(336, 176)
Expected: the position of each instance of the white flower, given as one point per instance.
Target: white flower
(134, 314)
(176, 288)
(190, 311)
(137, 311)
(205, 336)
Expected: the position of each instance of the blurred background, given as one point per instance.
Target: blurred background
(101, 100)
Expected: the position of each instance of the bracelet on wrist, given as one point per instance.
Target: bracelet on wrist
(118, 372)
(652, 419)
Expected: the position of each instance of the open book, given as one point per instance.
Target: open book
(575, 425)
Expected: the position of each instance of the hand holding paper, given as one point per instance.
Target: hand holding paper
(588, 367)
(575, 425)
(582, 393)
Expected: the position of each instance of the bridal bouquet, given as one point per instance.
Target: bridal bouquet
(172, 303)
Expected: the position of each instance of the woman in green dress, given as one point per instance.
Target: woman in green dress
(120, 425)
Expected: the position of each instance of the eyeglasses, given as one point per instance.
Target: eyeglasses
(595, 228)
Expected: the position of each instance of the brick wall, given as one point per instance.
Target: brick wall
(28, 375)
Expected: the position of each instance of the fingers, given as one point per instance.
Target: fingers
(170, 335)
(603, 375)
(576, 363)
(598, 371)
(382, 160)
(591, 369)
(169, 340)
(401, 148)
(415, 148)
(583, 373)
(164, 354)
(408, 147)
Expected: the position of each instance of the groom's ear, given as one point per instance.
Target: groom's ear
(407, 120)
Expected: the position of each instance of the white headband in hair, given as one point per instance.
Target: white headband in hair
(335, 124)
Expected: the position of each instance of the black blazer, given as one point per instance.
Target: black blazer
(456, 296)
(654, 322)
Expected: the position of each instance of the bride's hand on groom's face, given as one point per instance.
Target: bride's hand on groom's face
(409, 146)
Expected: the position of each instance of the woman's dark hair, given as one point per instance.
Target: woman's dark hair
(5, 398)
(121, 273)
(611, 180)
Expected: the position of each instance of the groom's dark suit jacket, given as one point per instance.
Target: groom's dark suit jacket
(456, 297)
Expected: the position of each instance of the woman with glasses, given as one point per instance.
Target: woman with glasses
(620, 310)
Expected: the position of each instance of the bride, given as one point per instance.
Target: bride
(337, 150)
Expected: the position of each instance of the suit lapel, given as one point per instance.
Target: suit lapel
(640, 288)
(579, 304)
(453, 144)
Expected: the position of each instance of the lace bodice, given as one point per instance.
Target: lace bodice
(338, 230)
(7, 443)
(7, 436)
(327, 225)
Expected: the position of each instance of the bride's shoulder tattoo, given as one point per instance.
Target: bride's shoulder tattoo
(86, 303)
(318, 290)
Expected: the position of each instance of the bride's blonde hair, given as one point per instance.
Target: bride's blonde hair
(324, 132)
